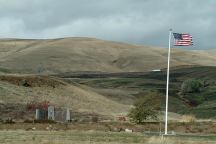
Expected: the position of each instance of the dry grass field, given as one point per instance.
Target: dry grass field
(94, 137)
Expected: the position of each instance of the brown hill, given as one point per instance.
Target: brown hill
(59, 93)
(88, 54)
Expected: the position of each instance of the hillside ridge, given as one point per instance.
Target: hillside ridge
(54, 56)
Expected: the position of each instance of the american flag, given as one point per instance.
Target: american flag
(183, 39)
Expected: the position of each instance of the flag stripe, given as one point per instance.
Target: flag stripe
(183, 42)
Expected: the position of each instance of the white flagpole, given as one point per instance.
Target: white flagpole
(167, 86)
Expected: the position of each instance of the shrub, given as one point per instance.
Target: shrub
(25, 83)
(28, 121)
(95, 119)
(191, 86)
(146, 108)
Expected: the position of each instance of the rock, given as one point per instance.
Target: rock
(128, 130)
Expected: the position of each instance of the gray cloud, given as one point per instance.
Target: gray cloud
(132, 21)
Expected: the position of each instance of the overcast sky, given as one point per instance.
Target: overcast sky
(131, 21)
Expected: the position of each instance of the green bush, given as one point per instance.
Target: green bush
(146, 108)
(191, 86)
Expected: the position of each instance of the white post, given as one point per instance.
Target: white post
(68, 118)
(37, 115)
(167, 86)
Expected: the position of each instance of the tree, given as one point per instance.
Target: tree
(146, 107)
(191, 86)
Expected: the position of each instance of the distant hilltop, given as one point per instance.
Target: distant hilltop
(63, 55)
